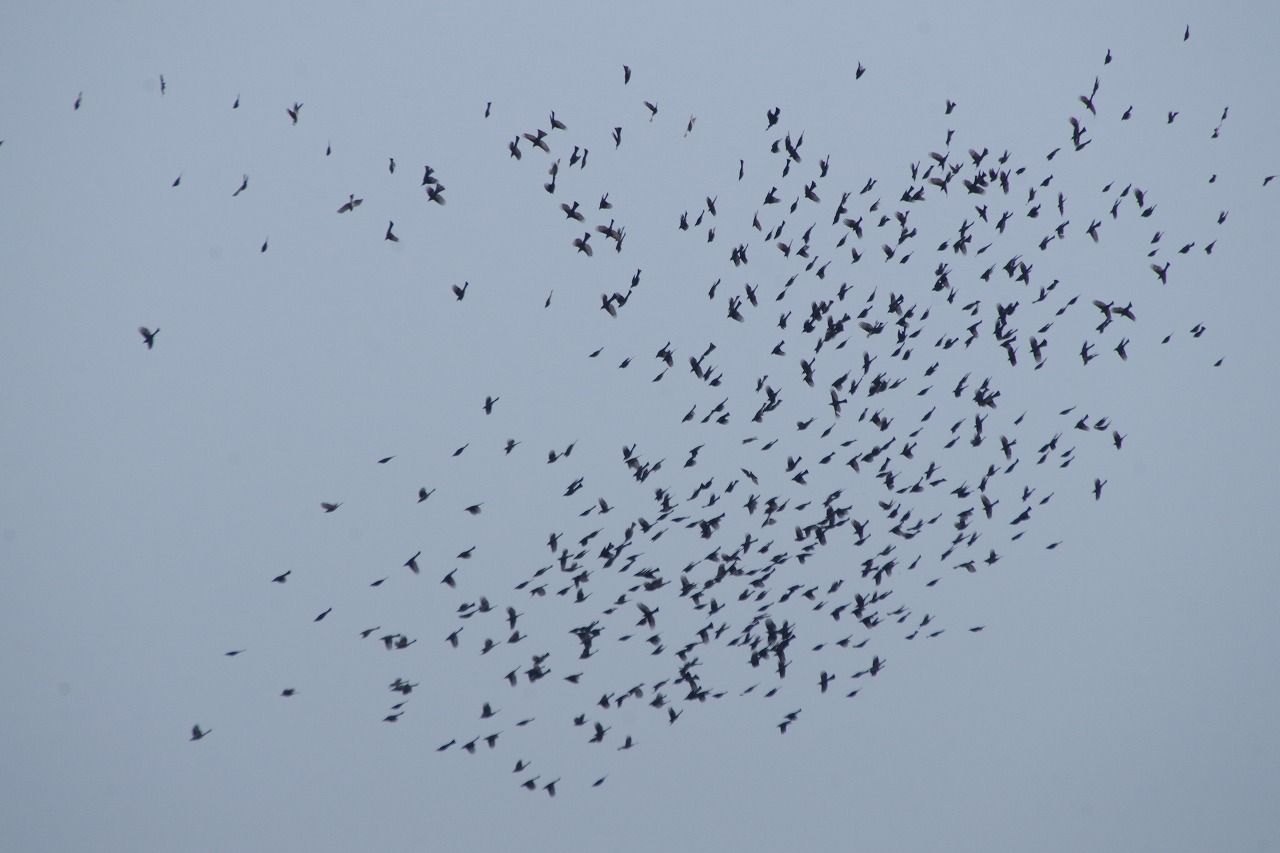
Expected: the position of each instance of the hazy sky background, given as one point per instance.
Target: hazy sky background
(1124, 692)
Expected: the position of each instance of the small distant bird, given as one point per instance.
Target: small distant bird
(617, 137)
(389, 235)
(264, 245)
(197, 733)
(423, 494)
(282, 578)
(288, 691)
(474, 509)
(234, 652)
(148, 336)
(351, 204)
(384, 460)
(412, 562)
(460, 292)
(391, 166)
(244, 185)
(489, 403)
(329, 507)
(236, 105)
(488, 106)
(176, 181)
(626, 74)
(293, 111)
(79, 98)
(162, 85)
(322, 615)
(652, 108)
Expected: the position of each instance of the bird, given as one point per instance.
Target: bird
(198, 733)
(148, 336)
(244, 185)
(460, 292)
(293, 111)
(329, 507)
(389, 235)
(351, 204)
(412, 562)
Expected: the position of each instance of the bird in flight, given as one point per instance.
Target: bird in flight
(148, 336)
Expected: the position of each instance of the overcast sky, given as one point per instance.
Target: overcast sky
(1122, 692)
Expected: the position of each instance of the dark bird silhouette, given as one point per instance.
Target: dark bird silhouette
(148, 336)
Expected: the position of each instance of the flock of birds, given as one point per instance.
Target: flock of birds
(780, 575)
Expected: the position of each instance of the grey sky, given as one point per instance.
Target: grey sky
(1123, 693)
